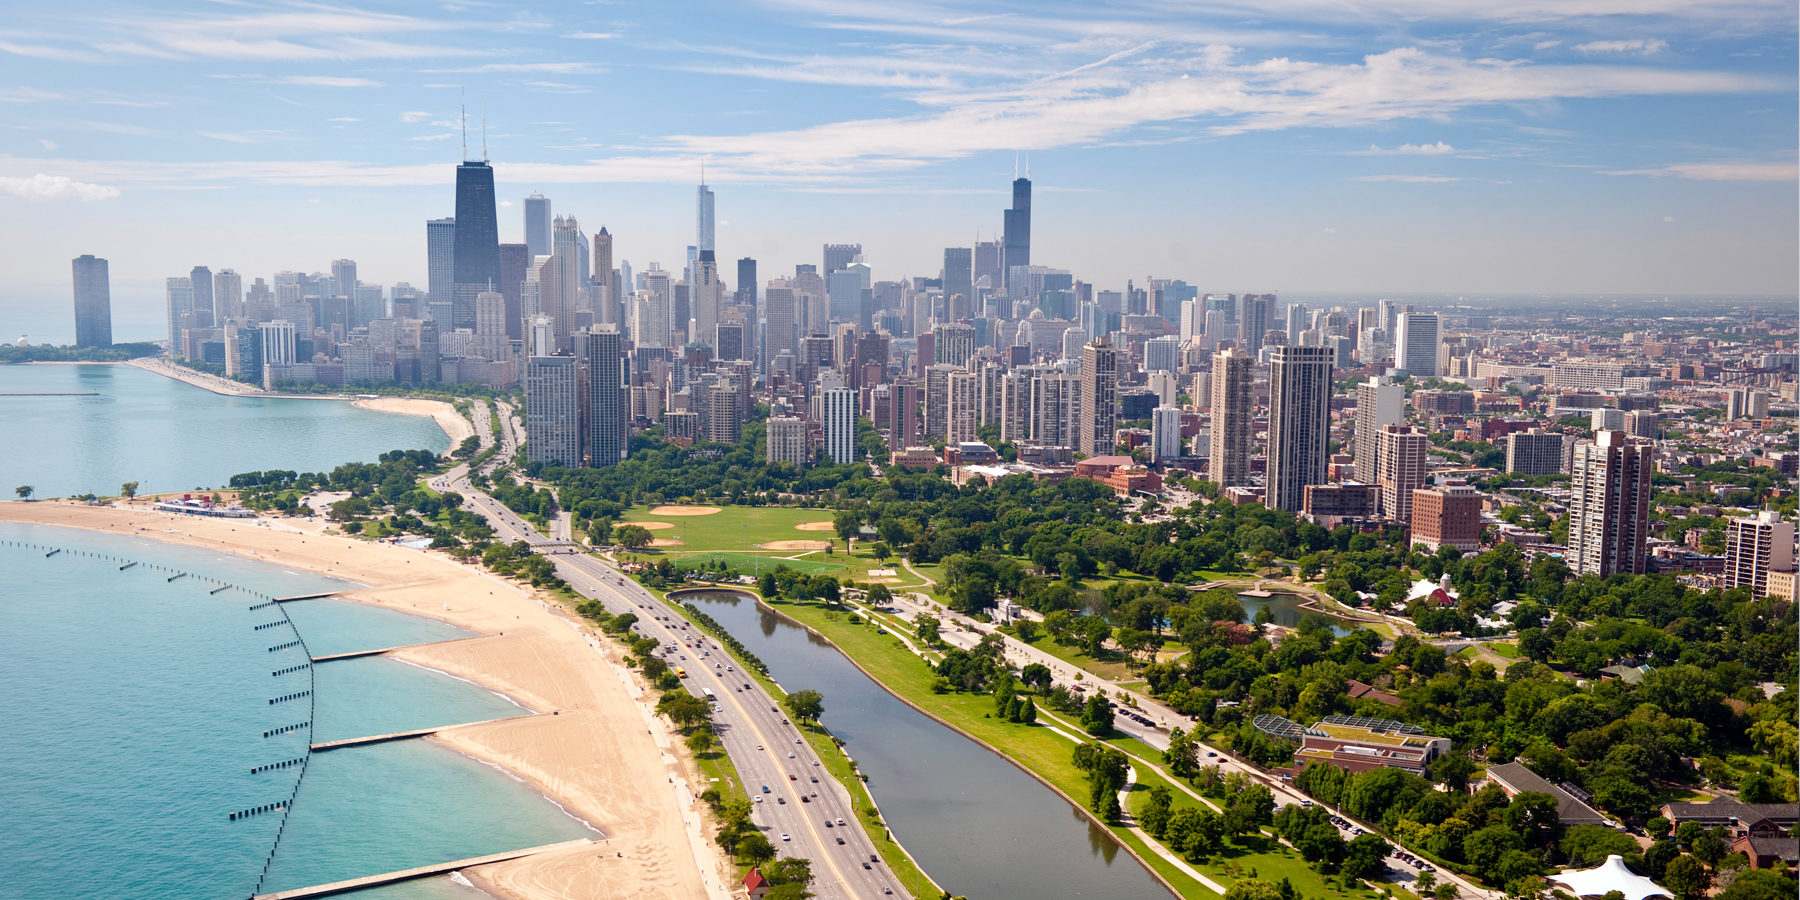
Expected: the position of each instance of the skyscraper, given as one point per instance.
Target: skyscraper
(343, 277)
(1099, 393)
(606, 397)
(202, 280)
(1609, 505)
(515, 260)
(1416, 345)
(93, 302)
(537, 224)
(837, 416)
(786, 440)
(440, 258)
(228, 296)
(179, 294)
(839, 256)
(987, 263)
(962, 418)
(1756, 545)
(959, 278)
(477, 256)
(553, 411)
(1253, 323)
(1399, 468)
(1299, 423)
(1016, 235)
(703, 217)
(604, 300)
(708, 298)
(1379, 402)
(1165, 433)
(782, 315)
(1228, 457)
(1296, 322)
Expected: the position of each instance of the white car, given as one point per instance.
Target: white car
(784, 836)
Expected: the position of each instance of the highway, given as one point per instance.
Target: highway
(763, 746)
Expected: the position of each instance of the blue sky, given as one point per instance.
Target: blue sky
(1304, 145)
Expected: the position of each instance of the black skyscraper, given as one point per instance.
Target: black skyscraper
(1017, 233)
(477, 258)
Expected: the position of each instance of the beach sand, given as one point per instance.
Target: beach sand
(455, 424)
(590, 748)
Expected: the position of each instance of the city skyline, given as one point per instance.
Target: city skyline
(1434, 151)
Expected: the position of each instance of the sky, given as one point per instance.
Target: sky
(1458, 147)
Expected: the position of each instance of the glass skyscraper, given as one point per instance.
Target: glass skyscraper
(477, 258)
(93, 302)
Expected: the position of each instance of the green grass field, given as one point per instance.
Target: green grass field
(735, 535)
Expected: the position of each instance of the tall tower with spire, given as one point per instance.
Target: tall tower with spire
(703, 214)
(1016, 235)
(476, 260)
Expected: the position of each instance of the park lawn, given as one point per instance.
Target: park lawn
(1112, 668)
(1510, 651)
(751, 563)
(737, 527)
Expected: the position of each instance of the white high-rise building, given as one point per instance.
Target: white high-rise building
(228, 296)
(1755, 546)
(703, 219)
(1609, 505)
(553, 411)
(1379, 403)
(1162, 354)
(278, 343)
(1416, 343)
(963, 418)
(1299, 423)
(786, 438)
(1165, 432)
(837, 418)
(1193, 319)
(179, 292)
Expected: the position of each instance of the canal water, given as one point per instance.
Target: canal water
(981, 827)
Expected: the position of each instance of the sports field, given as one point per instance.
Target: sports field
(750, 538)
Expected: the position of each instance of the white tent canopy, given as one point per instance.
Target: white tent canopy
(1606, 877)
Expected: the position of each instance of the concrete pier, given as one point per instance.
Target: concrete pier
(339, 887)
(354, 654)
(402, 735)
(306, 597)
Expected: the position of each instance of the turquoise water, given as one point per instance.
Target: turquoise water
(135, 709)
(170, 436)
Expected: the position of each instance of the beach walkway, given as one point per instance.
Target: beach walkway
(368, 881)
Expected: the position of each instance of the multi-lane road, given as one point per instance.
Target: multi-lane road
(803, 811)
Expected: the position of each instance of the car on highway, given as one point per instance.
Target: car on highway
(784, 836)
(827, 823)
(840, 841)
(764, 787)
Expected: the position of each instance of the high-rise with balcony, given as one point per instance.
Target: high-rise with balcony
(1379, 403)
(1755, 546)
(1399, 468)
(606, 398)
(1228, 449)
(93, 302)
(553, 411)
(1609, 505)
(1299, 423)
(1099, 397)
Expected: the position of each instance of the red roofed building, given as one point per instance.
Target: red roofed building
(1121, 473)
(756, 885)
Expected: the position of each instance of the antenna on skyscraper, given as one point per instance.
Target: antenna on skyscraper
(1027, 167)
(1015, 164)
(463, 115)
(703, 171)
(484, 131)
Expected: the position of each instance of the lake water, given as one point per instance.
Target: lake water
(170, 436)
(1285, 610)
(977, 824)
(135, 711)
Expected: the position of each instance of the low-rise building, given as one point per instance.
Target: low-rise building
(1515, 779)
(1358, 744)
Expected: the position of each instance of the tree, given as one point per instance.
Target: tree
(926, 627)
(1183, 755)
(806, 706)
(700, 740)
(1687, 877)
(684, 709)
(1025, 630)
(1097, 717)
(128, 490)
(847, 523)
(1252, 889)
(789, 870)
(756, 848)
(1036, 675)
(631, 537)
(881, 551)
(24, 491)
(1364, 856)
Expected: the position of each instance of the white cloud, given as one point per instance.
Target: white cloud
(261, 136)
(343, 119)
(1545, 45)
(505, 203)
(1408, 179)
(1740, 170)
(1438, 148)
(327, 81)
(557, 87)
(442, 136)
(48, 144)
(1645, 46)
(55, 187)
(551, 68)
(26, 95)
(414, 117)
(592, 35)
(1668, 219)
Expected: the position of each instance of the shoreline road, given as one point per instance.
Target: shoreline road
(763, 745)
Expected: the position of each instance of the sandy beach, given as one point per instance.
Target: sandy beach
(454, 423)
(593, 747)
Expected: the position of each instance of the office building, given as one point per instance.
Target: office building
(703, 218)
(1609, 505)
(1165, 433)
(515, 260)
(1296, 322)
(178, 293)
(954, 344)
(786, 436)
(1754, 547)
(1253, 326)
(1299, 423)
(440, 259)
(278, 340)
(1534, 452)
(1399, 468)
(837, 418)
(707, 299)
(1746, 403)
(1416, 342)
(1379, 403)
(987, 270)
(1446, 516)
(781, 311)
(1228, 453)
(1606, 418)
(1016, 236)
(959, 279)
(604, 300)
(477, 256)
(607, 404)
(202, 280)
(553, 411)
(839, 256)
(93, 302)
(1162, 354)
(537, 224)
(1099, 394)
